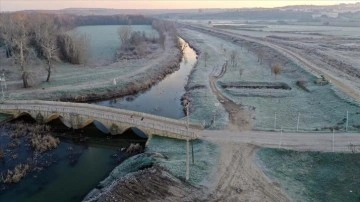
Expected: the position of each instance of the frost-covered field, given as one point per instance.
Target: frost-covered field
(318, 109)
(293, 30)
(313, 176)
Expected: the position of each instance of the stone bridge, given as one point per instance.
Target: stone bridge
(116, 121)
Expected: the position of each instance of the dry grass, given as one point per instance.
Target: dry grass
(14, 176)
(43, 143)
(38, 136)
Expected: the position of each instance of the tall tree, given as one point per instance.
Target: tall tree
(45, 36)
(124, 33)
(17, 36)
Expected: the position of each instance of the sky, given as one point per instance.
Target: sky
(15, 5)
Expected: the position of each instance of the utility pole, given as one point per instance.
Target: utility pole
(347, 120)
(333, 140)
(187, 174)
(187, 128)
(2, 89)
(214, 117)
(216, 105)
(187, 160)
(281, 133)
(298, 121)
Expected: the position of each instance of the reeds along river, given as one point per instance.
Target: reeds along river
(76, 168)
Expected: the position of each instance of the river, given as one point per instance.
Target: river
(69, 181)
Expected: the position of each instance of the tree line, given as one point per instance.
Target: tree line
(46, 35)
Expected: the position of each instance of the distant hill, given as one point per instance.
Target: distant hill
(339, 13)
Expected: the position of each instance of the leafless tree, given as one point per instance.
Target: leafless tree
(16, 35)
(124, 33)
(206, 57)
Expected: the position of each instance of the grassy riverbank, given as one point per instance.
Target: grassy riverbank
(102, 77)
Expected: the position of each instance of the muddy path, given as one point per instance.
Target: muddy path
(238, 177)
(240, 117)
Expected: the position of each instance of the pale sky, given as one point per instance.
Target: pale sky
(14, 5)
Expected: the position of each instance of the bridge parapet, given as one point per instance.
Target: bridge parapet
(87, 113)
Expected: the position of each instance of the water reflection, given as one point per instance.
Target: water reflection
(164, 98)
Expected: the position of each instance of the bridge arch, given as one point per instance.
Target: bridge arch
(24, 113)
(65, 121)
(51, 117)
(101, 126)
(141, 133)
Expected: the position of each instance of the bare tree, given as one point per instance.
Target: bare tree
(16, 35)
(7, 31)
(234, 56)
(45, 35)
(276, 69)
(124, 33)
(206, 57)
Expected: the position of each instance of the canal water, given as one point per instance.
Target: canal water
(67, 180)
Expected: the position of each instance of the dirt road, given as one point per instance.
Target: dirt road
(298, 141)
(238, 178)
(240, 117)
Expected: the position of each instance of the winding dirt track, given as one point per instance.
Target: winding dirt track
(239, 117)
